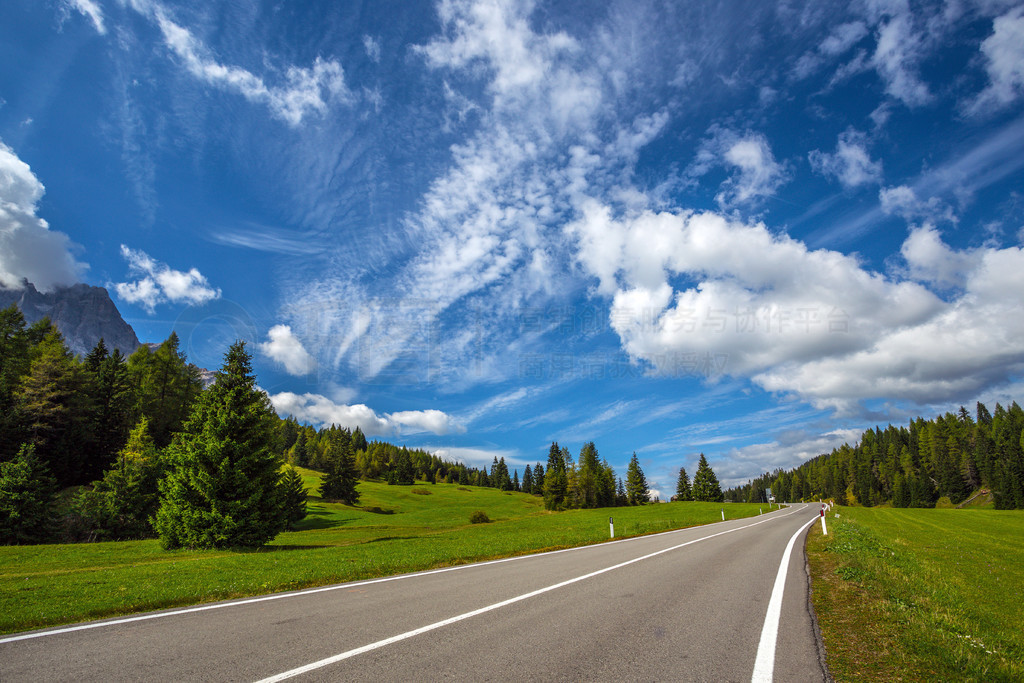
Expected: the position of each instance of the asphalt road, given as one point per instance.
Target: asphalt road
(688, 605)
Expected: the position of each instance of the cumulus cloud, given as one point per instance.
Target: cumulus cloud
(372, 47)
(755, 174)
(303, 91)
(903, 201)
(850, 164)
(159, 283)
(1004, 62)
(29, 250)
(285, 348)
(814, 323)
(322, 411)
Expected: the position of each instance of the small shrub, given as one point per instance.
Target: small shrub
(463, 488)
(479, 517)
(421, 492)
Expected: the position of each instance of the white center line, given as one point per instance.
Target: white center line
(764, 664)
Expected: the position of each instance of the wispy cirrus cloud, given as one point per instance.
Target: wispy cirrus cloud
(299, 92)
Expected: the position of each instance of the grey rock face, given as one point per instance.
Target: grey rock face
(81, 312)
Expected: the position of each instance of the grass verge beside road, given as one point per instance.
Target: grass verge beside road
(920, 595)
(395, 529)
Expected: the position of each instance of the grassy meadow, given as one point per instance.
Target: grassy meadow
(920, 595)
(393, 530)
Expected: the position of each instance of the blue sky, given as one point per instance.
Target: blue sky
(744, 229)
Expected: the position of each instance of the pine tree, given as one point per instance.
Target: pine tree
(556, 483)
(294, 497)
(637, 492)
(339, 482)
(122, 504)
(527, 484)
(705, 483)
(683, 491)
(27, 493)
(223, 488)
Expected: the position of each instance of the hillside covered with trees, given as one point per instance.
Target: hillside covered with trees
(952, 456)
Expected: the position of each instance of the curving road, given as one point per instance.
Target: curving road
(689, 605)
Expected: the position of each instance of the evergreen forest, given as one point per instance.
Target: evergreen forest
(954, 457)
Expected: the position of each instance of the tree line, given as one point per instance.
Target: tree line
(954, 456)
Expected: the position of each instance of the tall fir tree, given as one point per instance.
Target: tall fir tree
(223, 488)
(339, 481)
(27, 494)
(295, 495)
(705, 483)
(637, 492)
(683, 491)
(556, 483)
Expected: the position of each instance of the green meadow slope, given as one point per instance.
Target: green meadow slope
(920, 595)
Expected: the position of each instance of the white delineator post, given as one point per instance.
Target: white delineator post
(723, 514)
(611, 526)
(824, 530)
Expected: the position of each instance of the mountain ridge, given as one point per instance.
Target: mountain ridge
(83, 313)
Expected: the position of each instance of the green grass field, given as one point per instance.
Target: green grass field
(921, 595)
(395, 529)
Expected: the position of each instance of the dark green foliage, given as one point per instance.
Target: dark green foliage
(166, 386)
(122, 504)
(55, 412)
(950, 456)
(295, 495)
(27, 492)
(479, 517)
(637, 492)
(683, 491)
(705, 483)
(223, 487)
(556, 482)
(339, 480)
(527, 484)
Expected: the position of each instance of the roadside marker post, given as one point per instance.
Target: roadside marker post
(611, 526)
(723, 514)
(824, 530)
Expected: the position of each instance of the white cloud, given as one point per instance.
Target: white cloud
(737, 466)
(838, 42)
(28, 248)
(160, 283)
(372, 47)
(851, 164)
(322, 411)
(90, 10)
(897, 54)
(755, 172)
(1004, 63)
(812, 323)
(304, 90)
(285, 348)
(902, 201)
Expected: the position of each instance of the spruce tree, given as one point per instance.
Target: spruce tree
(683, 491)
(637, 492)
(122, 504)
(27, 493)
(556, 482)
(705, 483)
(294, 497)
(339, 482)
(223, 488)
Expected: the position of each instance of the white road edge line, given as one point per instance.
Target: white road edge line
(322, 589)
(489, 608)
(764, 664)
